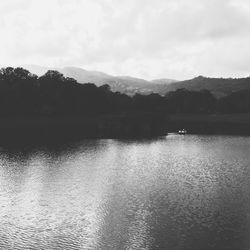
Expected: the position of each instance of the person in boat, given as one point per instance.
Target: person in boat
(182, 131)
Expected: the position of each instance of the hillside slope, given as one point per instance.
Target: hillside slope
(218, 86)
(124, 84)
(130, 85)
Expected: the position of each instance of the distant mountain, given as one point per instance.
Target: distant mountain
(217, 86)
(131, 85)
(164, 81)
(124, 84)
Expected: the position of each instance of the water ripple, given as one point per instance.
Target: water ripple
(178, 193)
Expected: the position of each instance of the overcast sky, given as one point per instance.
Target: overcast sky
(176, 39)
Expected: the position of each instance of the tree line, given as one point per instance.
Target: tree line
(25, 94)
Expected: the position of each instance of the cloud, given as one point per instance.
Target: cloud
(144, 38)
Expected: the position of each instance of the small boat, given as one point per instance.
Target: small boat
(182, 132)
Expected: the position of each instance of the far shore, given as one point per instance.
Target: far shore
(120, 126)
(231, 124)
(72, 128)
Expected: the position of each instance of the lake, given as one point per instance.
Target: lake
(175, 192)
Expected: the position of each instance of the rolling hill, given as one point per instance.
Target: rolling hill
(124, 84)
(131, 85)
(218, 86)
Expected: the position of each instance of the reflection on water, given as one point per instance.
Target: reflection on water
(178, 192)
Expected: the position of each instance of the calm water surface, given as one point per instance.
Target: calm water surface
(175, 193)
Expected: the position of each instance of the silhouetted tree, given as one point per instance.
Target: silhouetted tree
(23, 93)
(184, 101)
(237, 102)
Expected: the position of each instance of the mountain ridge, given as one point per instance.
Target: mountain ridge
(124, 84)
(131, 85)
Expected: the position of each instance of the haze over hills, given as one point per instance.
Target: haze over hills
(131, 85)
(124, 84)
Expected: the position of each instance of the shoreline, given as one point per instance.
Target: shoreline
(134, 126)
(217, 124)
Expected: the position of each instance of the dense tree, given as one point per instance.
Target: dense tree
(23, 93)
(237, 102)
(184, 101)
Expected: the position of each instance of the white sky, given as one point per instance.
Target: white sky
(150, 39)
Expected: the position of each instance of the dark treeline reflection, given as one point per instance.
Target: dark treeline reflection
(54, 104)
